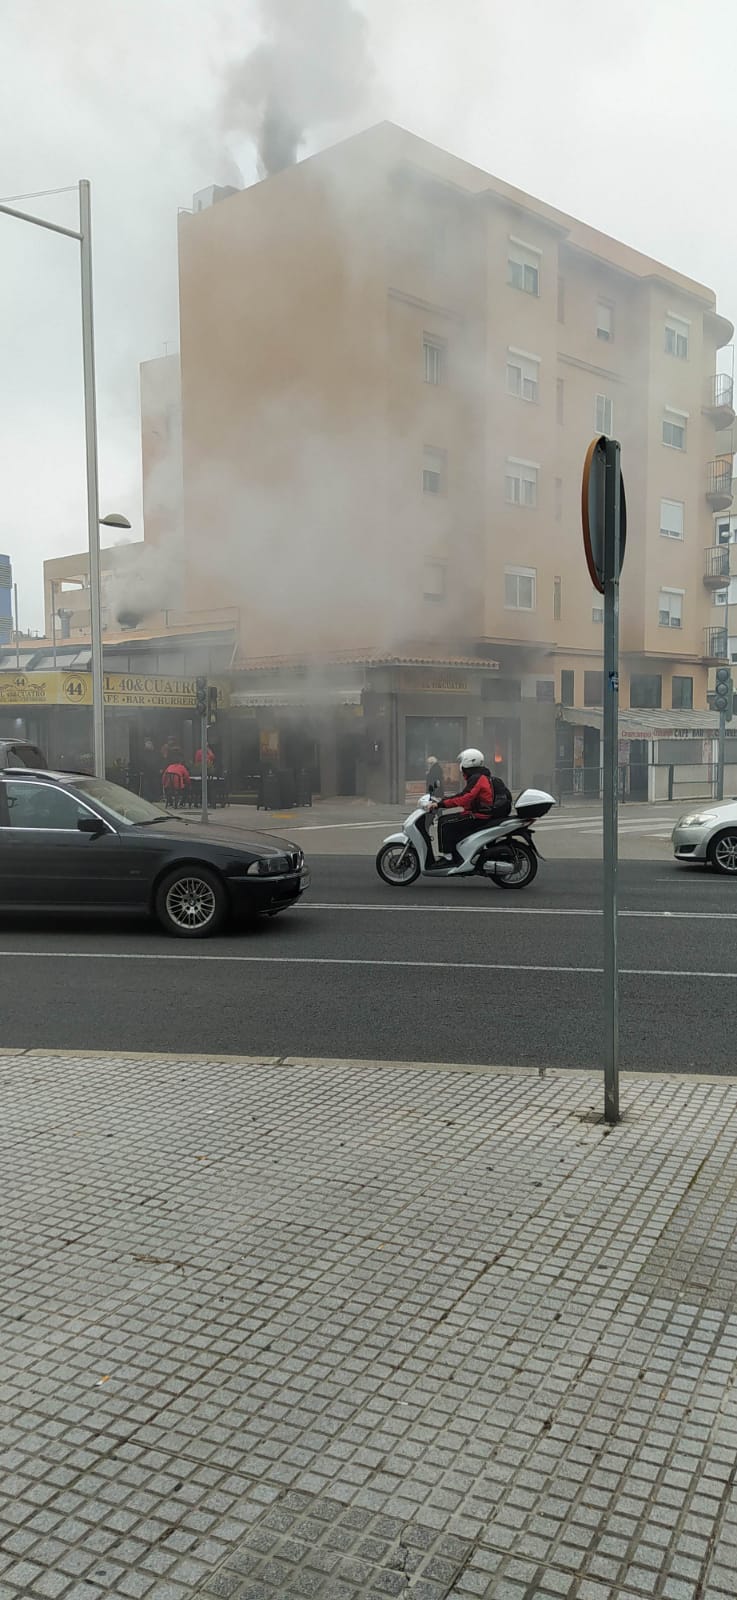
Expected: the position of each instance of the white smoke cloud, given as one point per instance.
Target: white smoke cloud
(131, 95)
(310, 73)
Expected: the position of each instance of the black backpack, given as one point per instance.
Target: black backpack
(502, 797)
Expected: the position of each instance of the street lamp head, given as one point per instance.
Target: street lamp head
(114, 521)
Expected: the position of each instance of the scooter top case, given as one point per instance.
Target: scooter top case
(532, 803)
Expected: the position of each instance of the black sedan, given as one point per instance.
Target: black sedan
(80, 842)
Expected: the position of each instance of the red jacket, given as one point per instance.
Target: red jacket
(176, 777)
(476, 800)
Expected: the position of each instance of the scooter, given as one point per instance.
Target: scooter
(503, 853)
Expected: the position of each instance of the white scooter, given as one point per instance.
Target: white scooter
(502, 853)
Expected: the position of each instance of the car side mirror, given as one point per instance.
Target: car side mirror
(91, 824)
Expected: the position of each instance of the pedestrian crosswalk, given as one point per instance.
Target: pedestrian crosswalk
(656, 825)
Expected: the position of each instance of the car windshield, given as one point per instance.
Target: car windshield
(123, 805)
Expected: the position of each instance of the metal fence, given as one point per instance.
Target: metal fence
(575, 784)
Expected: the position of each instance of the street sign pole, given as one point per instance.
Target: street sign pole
(612, 562)
(604, 520)
(722, 749)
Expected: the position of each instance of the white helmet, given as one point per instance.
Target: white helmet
(468, 759)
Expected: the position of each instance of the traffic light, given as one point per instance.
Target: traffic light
(212, 705)
(723, 698)
(202, 697)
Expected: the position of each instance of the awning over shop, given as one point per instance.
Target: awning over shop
(647, 724)
(299, 700)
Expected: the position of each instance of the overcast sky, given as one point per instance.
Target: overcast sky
(627, 122)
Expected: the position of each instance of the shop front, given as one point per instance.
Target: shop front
(662, 755)
(54, 711)
(309, 734)
(368, 727)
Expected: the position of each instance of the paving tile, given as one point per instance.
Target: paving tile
(386, 1309)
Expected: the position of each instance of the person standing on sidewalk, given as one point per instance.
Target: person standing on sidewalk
(435, 778)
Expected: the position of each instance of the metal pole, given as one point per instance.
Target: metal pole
(17, 637)
(611, 797)
(722, 747)
(93, 504)
(203, 767)
(53, 619)
(721, 754)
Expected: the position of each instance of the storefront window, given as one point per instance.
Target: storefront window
(443, 737)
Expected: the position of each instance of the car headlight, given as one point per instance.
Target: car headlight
(268, 866)
(697, 819)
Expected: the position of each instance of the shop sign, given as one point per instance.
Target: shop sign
(43, 689)
(268, 745)
(433, 683)
(149, 690)
(145, 690)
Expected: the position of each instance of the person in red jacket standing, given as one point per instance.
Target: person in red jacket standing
(476, 802)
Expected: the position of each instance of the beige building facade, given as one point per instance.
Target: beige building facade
(391, 365)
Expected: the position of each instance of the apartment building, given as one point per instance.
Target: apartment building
(392, 364)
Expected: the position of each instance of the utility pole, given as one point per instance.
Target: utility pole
(722, 694)
(53, 620)
(93, 502)
(83, 237)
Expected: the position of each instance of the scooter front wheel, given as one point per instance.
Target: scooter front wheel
(398, 865)
(525, 867)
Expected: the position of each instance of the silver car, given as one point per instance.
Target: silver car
(708, 833)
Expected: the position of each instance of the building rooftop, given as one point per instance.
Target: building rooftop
(393, 146)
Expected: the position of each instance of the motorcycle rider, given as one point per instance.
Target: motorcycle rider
(477, 802)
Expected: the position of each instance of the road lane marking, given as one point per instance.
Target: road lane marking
(351, 961)
(323, 827)
(515, 911)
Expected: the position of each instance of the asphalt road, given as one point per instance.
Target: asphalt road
(438, 972)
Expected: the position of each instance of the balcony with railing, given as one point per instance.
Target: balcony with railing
(719, 400)
(715, 645)
(716, 566)
(719, 483)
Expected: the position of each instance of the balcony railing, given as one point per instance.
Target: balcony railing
(716, 566)
(719, 483)
(715, 644)
(719, 400)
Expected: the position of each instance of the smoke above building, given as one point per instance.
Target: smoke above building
(310, 72)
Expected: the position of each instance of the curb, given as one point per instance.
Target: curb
(473, 1069)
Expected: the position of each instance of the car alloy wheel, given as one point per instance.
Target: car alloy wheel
(723, 853)
(191, 902)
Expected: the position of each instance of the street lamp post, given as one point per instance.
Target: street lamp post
(83, 235)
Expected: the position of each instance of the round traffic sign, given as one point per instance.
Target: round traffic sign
(594, 512)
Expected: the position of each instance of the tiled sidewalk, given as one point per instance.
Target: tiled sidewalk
(279, 1330)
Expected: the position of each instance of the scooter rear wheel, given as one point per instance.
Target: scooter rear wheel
(525, 867)
(398, 873)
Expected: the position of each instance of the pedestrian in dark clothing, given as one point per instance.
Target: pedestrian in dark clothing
(151, 769)
(435, 778)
